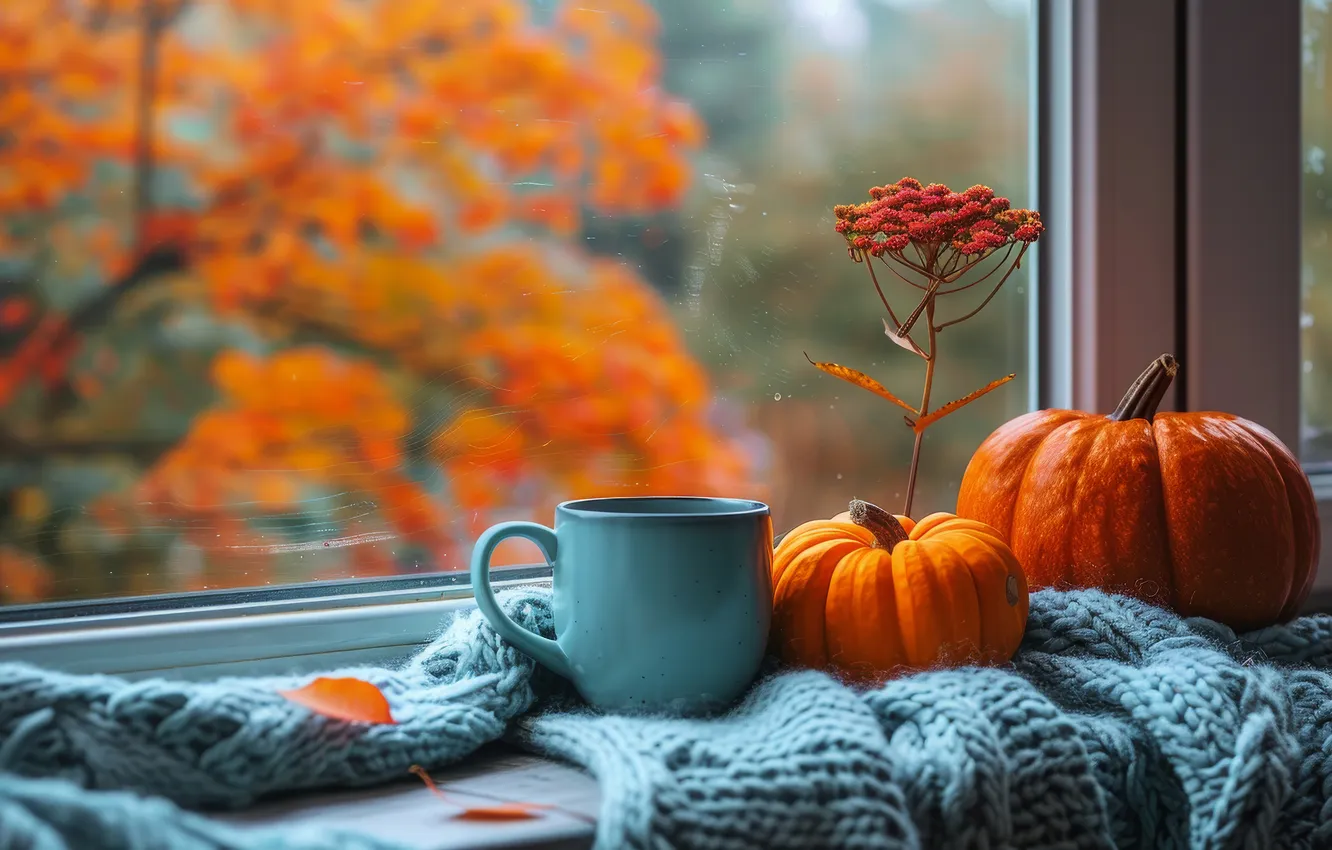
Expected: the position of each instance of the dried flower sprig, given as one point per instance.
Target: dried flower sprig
(939, 237)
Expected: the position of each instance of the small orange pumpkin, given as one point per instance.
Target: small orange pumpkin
(1205, 513)
(867, 593)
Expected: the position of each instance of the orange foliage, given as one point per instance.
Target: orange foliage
(303, 422)
(14, 312)
(398, 181)
(580, 377)
(23, 578)
(475, 98)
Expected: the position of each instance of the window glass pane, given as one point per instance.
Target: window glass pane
(293, 291)
(1316, 270)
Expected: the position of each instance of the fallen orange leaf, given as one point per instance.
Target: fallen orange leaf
(348, 699)
(499, 811)
(503, 811)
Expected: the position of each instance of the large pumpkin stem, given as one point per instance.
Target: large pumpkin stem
(1144, 396)
(887, 531)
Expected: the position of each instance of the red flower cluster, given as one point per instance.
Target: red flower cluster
(972, 222)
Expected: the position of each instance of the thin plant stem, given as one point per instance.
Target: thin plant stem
(901, 257)
(997, 266)
(902, 277)
(952, 276)
(924, 408)
(927, 300)
(953, 259)
(993, 292)
(869, 264)
(920, 256)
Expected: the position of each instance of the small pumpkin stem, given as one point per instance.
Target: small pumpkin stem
(1144, 396)
(887, 531)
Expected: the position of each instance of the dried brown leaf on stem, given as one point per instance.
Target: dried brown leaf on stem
(861, 380)
(940, 412)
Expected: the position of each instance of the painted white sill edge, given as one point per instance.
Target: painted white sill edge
(290, 642)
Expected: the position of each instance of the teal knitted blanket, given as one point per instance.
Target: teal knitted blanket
(1118, 725)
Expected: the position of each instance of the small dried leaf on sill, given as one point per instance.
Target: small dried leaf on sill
(353, 700)
(861, 380)
(503, 811)
(497, 812)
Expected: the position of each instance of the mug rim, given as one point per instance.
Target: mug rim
(743, 507)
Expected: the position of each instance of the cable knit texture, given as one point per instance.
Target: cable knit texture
(1118, 725)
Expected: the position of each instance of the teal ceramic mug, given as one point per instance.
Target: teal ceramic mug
(659, 604)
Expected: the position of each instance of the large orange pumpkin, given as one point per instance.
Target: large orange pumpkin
(867, 593)
(1206, 513)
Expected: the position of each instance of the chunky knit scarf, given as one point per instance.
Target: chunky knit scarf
(1118, 725)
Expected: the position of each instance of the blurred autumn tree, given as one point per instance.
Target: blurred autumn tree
(281, 277)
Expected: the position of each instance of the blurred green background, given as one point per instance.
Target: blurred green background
(1316, 225)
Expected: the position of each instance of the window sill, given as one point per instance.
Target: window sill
(205, 644)
(407, 813)
(208, 644)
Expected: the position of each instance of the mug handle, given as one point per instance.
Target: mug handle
(543, 649)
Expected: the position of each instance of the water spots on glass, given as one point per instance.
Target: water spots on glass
(1314, 159)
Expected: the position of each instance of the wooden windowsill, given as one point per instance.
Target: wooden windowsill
(407, 813)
